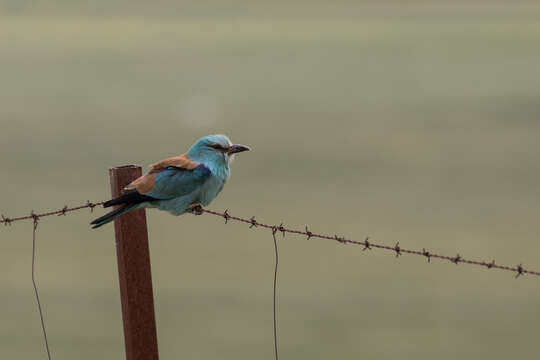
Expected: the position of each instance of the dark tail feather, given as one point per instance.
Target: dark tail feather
(110, 216)
(129, 197)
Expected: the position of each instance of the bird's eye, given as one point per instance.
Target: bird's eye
(217, 147)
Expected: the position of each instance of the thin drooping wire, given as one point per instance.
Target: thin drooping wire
(35, 287)
(275, 290)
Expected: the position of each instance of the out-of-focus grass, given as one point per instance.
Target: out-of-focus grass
(417, 129)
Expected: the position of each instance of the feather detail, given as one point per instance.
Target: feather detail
(143, 184)
(182, 161)
(146, 183)
(110, 216)
(129, 197)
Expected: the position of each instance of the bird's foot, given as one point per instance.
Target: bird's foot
(195, 209)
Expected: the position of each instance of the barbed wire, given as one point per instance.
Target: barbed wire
(253, 223)
(7, 220)
(366, 243)
(35, 217)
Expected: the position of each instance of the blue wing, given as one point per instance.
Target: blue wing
(176, 181)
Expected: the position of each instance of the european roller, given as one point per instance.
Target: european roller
(179, 184)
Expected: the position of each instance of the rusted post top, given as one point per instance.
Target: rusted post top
(133, 166)
(134, 273)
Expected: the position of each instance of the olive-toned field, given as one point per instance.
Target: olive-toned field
(418, 124)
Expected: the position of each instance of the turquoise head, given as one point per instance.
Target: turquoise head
(217, 149)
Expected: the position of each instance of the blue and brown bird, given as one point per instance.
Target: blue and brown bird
(179, 184)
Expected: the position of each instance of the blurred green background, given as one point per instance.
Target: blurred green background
(410, 121)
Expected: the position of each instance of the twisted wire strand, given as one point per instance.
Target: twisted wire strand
(367, 244)
(7, 220)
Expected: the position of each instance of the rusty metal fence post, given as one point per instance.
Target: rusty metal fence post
(134, 273)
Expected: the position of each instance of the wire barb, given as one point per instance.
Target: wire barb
(253, 222)
(426, 254)
(63, 211)
(397, 249)
(35, 217)
(367, 245)
(91, 205)
(282, 229)
(5, 220)
(340, 239)
(520, 271)
(308, 233)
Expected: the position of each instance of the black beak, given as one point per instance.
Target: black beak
(236, 148)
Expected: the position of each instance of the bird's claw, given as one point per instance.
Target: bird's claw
(195, 209)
